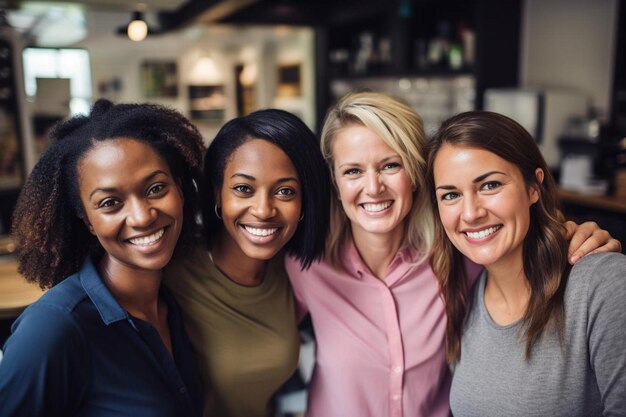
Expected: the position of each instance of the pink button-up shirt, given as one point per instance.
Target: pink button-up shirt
(380, 344)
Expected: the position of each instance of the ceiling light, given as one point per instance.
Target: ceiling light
(137, 29)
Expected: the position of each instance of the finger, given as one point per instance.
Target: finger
(570, 229)
(599, 241)
(580, 234)
(612, 245)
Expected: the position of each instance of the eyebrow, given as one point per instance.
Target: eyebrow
(148, 178)
(382, 161)
(476, 180)
(251, 178)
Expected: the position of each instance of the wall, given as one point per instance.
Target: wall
(114, 56)
(570, 44)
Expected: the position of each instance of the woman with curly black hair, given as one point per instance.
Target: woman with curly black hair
(99, 217)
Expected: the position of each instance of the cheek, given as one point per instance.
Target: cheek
(231, 206)
(347, 189)
(449, 217)
(292, 211)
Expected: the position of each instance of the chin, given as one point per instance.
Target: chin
(261, 255)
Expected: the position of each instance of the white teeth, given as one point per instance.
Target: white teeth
(147, 240)
(260, 232)
(483, 233)
(374, 207)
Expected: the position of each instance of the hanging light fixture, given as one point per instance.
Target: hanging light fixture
(137, 29)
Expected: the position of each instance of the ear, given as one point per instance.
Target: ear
(535, 190)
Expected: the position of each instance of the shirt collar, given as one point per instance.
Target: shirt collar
(108, 307)
(354, 264)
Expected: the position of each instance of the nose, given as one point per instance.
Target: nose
(263, 207)
(473, 209)
(141, 213)
(374, 184)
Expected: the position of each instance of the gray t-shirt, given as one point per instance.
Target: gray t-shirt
(586, 376)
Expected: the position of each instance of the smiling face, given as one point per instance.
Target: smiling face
(260, 201)
(484, 204)
(132, 204)
(374, 188)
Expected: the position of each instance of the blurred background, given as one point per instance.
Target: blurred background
(556, 66)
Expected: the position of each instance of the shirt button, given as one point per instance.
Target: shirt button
(396, 397)
(182, 390)
(397, 369)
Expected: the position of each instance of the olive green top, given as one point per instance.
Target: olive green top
(246, 337)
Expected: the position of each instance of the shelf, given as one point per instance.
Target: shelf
(612, 204)
(429, 73)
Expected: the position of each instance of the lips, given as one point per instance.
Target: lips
(148, 239)
(482, 234)
(376, 207)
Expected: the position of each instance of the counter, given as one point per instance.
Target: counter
(612, 204)
(15, 292)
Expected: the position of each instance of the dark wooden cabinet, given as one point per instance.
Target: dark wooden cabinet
(12, 170)
(400, 34)
(618, 102)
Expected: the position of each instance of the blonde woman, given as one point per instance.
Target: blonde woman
(375, 305)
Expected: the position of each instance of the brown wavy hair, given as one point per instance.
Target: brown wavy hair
(47, 225)
(544, 247)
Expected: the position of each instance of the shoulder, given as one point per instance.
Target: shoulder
(184, 267)
(318, 270)
(598, 277)
(63, 297)
(51, 327)
(599, 268)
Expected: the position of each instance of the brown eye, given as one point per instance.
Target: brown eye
(243, 189)
(286, 192)
(155, 189)
(108, 203)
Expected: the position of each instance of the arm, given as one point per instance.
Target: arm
(293, 268)
(588, 238)
(606, 332)
(43, 372)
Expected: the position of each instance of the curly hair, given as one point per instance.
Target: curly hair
(47, 225)
(544, 248)
(290, 134)
(403, 131)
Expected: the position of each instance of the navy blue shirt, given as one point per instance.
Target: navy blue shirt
(77, 352)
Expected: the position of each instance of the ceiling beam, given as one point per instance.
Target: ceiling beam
(204, 11)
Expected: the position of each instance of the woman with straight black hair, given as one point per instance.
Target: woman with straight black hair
(268, 195)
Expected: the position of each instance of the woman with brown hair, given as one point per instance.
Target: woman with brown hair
(535, 336)
(374, 301)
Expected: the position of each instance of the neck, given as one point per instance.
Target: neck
(507, 293)
(136, 290)
(235, 265)
(378, 249)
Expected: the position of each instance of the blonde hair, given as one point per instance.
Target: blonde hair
(402, 130)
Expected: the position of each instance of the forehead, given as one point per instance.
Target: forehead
(356, 141)
(118, 159)
(465, 163)
(257, 157)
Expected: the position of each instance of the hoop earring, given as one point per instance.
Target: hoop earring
(217, 214)
(301, 217)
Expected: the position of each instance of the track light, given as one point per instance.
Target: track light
(137, 29)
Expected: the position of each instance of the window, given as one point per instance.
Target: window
(72, 64)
